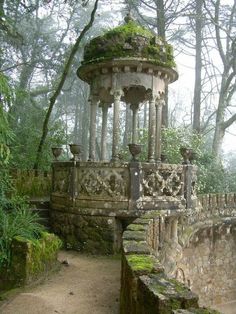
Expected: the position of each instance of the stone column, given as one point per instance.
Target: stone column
(92, 138)
(116, 124)
(134, 108)
(159, 104)
(105, 107)
(151, 130)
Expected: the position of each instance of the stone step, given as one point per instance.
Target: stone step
(40, 203)
(41, 206)
(42, 212)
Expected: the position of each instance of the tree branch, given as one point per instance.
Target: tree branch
(58, 89)
(229, 122)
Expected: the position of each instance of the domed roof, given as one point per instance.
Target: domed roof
(129, 41)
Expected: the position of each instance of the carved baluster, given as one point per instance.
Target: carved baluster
(92, 139)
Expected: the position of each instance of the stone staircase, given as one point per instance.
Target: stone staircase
(41, 206)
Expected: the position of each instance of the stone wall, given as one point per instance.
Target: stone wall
(208, 263)
(30, 260)
(145, 286)
(88, 233)
(198, 247)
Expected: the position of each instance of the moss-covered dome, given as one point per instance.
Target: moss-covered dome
(129, 41)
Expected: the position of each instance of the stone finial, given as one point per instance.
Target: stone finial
(128, 18)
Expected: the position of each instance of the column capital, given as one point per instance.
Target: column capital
(151, 96)
(117, 94)
(93, 100)
(134, 107)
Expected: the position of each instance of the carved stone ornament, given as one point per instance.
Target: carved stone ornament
(162, 183)
(102, 182)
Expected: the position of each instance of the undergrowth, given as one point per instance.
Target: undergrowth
(18, 222)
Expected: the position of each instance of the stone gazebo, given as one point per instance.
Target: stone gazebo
(92, 201)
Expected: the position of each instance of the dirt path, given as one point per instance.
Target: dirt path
(227, 308)
(89, 285)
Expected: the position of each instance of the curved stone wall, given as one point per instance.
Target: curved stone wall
(208, 263)
(145, 285)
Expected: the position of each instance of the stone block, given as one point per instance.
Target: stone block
(30, 260)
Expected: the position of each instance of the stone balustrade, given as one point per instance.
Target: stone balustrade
(167, 253)
(145, 285)
(212, 206)
(121, 185)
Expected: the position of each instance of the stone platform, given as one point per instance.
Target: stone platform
(92, 202)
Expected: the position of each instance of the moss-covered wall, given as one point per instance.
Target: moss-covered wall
(30, 260)
(87, 233)
(145, 288)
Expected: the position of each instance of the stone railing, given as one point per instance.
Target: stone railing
(170, 245)
(126, 186)
(32, 183)
(145, 287)
(212, 206)
(214, 202)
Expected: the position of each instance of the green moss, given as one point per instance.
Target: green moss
(167, 286)
(179, 287)
(42, 252)
(141, 262)
(136, 227)
(129, 29)
(129, 41)
(175, 304)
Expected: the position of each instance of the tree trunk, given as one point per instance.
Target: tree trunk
(161, 30)
(198, 67)
(219, 127)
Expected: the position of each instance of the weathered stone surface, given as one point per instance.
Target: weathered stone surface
(134, 235)
(137, 227)
(163, 294)
(132, 246)
(93, 234)
(30, 260)
(145, 285)
(208, 263)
